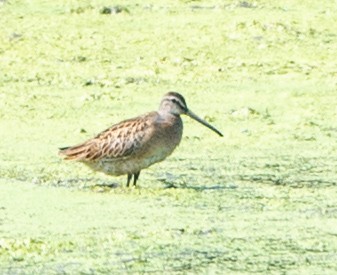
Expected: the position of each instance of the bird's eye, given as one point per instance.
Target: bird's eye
(174, 100)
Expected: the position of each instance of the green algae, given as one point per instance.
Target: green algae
(262, 199)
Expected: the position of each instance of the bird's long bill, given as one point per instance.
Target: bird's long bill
(203, 122)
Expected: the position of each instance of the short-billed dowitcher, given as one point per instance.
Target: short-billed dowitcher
(134, 144)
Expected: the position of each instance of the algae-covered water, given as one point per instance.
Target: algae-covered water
(262, 199)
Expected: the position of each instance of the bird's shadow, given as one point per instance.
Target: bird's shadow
(185, 181)
(199, 188)
(94, 183)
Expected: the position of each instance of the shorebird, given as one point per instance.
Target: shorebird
(135, 144)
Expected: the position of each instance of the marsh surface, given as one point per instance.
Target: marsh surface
(262, 199)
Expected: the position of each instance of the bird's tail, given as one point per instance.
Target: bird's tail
(78, 152)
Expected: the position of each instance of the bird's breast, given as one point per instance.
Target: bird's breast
(165, 136)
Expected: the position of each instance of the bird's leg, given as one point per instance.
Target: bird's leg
(129, 179)
(135, 178)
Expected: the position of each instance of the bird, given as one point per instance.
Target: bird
(137, 143)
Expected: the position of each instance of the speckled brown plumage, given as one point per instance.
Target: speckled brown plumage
(135, 144)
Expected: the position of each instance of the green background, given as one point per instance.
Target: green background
(262, 199)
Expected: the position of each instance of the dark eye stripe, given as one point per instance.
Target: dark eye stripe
(178, 97)
(177, 101)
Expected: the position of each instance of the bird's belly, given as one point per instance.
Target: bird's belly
(131, 165)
